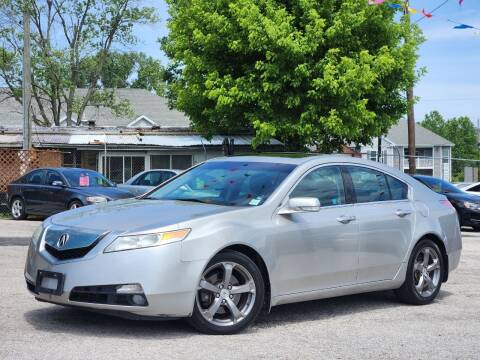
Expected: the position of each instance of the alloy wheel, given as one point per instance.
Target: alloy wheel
(17, 208)
(426, 271)
(74, 205)
(226, 294)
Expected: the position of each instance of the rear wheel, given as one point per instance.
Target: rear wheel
(424, 274)
(18, 209)
(75, 204)
(230, 295)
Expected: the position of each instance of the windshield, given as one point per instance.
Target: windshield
(229, 183)
(86, 178)
(439, 186)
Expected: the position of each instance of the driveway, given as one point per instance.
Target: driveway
(14, 232)
(369, 326)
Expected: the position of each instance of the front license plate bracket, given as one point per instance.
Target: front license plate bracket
(49, 277)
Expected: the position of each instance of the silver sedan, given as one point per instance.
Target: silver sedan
(234, 236)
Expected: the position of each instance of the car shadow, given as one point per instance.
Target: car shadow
(56, 319)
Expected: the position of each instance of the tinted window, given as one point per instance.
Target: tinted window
(35, 177)
(438, 185)
(153, 178)
(369, 185)
(53, 176)
(475, 188)
(398, 189)
(230, 183)
(325, 184)
(86, 178)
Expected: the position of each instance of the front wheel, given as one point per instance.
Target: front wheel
(75, 204)
(424, 274)
(230, 295)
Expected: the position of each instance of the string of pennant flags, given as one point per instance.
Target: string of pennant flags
(425, 14)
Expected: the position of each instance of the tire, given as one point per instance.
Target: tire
(75, 204)
(424, 277)
(232, 312)
(17, 209)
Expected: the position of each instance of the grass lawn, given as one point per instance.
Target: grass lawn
(5, 216)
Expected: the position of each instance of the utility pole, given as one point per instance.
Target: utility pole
(412, 169)
(27, 83)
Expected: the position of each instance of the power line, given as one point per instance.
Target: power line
(432, 11)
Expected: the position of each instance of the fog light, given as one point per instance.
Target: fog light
(129, 289)
(139, 300)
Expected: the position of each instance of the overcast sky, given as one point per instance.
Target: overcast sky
(452, 57)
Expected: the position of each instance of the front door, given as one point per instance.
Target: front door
(54, 195)
(317, 250)
(385, 219)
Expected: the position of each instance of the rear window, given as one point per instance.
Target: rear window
(398, 189)
(369, 185)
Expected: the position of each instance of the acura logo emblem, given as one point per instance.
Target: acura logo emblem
(62, 241)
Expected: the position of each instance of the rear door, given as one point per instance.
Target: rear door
(33, 190)
(385, 218)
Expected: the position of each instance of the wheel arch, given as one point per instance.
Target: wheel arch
(258, 260)
(70, 201)
(19, 196)
(441, 245)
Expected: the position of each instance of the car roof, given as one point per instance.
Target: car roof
(62, 169)
(295, 159)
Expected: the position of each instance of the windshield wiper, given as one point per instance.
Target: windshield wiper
(191, 200)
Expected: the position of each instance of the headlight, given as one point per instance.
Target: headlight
(96, 199)
(132, 242)
(471, 205)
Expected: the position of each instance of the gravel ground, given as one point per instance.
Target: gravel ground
(361, 326)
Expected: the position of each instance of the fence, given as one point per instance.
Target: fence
(15, 163)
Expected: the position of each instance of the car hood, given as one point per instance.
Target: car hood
(136, 189)
(111, 193)
(135, 215)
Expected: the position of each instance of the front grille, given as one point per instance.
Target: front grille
(106, 294)
(70, 253)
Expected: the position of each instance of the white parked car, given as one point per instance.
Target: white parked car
(472, 188)
(148, 180)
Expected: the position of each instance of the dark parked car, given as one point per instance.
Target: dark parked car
(467, 205)
(52, 190)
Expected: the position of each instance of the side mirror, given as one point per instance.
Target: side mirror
(58, 183)
(300, 205)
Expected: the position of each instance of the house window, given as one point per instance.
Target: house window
(121, 168)
(372, 155)
(178, 162)
(181, 162)
(160, 162)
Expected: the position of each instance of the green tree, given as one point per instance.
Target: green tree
(150, 75)
(71, 45)
(307, 72)
(459, 131)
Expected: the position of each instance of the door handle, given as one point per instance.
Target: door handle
(346, 219)
(402, 213)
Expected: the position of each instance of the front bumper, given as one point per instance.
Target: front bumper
(470, 217)
(169, 284)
